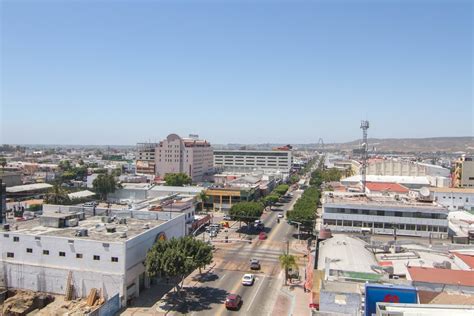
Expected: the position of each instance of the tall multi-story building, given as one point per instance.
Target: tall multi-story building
(240, 160)
(191, 156)
(463, 176)
(145, 159)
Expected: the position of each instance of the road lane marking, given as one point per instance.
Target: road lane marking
(256, 292)
(222, 277)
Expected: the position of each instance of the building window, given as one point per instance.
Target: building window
(78, 255)
(10, 255)
(16, 239)
(46, 252)
(114, 259)
(96, 257)
(6, 235)
(29, 250)
(62, 254)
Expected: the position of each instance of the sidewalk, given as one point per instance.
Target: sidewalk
(292, 300)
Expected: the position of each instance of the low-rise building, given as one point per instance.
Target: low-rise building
(438, 280)
(353, 212)
(105, 251)
(453, 198)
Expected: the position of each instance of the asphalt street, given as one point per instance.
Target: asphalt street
(232, 262)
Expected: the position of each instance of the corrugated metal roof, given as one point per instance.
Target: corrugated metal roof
(28, 187)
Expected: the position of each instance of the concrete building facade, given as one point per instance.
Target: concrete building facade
(145, 158)
(384, 215)
(254, 160)
(191, 156)
(453, 198)
(42, 253)
(402, 167)
(463, 176)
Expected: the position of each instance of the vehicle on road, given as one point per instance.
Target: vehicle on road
(227, 218)
(90, 204)
(213, 233)
(254, 264)
(280, 215)
(225, 224)
(233, 301)
(262, 236)
(248, 279)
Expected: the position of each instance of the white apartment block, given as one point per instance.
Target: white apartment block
(384, 215)
(102, 252)
(453, 198)
(187, 155)
(280, 160)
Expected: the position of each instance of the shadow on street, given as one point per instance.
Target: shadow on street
(194, 299)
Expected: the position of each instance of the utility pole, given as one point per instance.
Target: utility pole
(364, 125)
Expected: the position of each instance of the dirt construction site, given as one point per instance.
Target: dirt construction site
(21, 302)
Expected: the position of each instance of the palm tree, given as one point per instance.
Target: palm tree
(287, 261)
(57, 195)
(203, 197)
(3, 162)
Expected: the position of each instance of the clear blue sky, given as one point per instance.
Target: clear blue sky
(121, 72)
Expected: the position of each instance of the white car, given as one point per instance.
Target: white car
(248, 279)
(280, 215)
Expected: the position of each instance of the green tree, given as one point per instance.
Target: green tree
(294, 179)
(203, 197)
(246, 212)
(287, 262)
(105, 184)
(270, 200)
(281, 189)
(177, 258)
(57, 195)
(177, 179)
(3, 163)
(65, 165)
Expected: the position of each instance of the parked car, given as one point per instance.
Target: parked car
(262, 236)
(233, 301)
(90, 204)
(213, 233)
(248, 279)
(227, 218)
(280, 215)
(254, 264)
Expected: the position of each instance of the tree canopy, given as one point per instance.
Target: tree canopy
(177, 257)
(246, 212)
(104, 184)
(57, 195)
(177, 179)
(281, 189)
(287, 262)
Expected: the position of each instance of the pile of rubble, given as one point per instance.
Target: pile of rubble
(24, 302)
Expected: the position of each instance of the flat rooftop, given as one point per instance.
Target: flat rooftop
(348, 198)
(97, 230)
(28, 187)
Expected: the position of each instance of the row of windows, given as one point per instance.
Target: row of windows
(386, 213)
(61, 254)
(449, 197)
(413, 227)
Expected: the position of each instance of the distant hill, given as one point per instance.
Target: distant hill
(433, 144)
(400, 145)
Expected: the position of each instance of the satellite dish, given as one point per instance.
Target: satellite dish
(425, 192)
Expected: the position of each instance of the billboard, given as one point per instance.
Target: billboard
(387, 293)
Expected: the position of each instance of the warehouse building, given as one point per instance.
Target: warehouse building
(60, 252)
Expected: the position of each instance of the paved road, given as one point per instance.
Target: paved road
(207, 296)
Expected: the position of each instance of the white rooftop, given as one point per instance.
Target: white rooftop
(28, 187)
(346, 253)
(421, 180)
(81, 194)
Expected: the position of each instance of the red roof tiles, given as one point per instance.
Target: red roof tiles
(441, 276)
(468, 259)
(386, 186)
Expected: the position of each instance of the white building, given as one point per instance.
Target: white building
(402, 167)
(453, 198)
(103, 252)
(192, 156)
(411, 182)
(383, 215)
(245, 160)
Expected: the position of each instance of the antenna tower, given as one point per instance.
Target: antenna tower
(364, 125)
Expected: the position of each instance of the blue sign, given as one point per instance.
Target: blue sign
(387, 293)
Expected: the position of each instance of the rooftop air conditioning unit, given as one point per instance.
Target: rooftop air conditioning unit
(123, 221)
(110, 229)
(73, 222)
(6, 227)
(123, 235)
(442, 265)
(81, 232)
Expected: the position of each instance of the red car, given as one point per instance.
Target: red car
(262, 236)
(233, 301)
